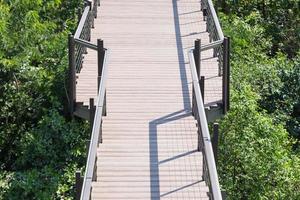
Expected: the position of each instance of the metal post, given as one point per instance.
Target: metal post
(88, 142)
(78, 185)
(104, 105)
(197, 55)
(72, 75)
(204, 14)
(92, 112)
(226, 74)
(100, 52)
(202, 86)
(193, 101)
(95, 9)
(215, 140)
(199, 148)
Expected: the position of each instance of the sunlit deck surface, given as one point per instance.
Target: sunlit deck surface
(149, 148)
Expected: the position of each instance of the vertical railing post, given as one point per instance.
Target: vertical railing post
(197, 56)
(72, 75)
(202, 86)
(78, 185)
(199, 147)
(226, 74)
(193, 100)
(92, 113)
(100, 52)
(95, 9)
(104, 105)
(215, 140)
(88, 142)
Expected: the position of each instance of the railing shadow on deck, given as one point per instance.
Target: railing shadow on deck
(181, 59)
(153, 157)
(221, 50)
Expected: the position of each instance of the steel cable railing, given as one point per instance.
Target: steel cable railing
(96, 138)
(210, 175)
(220, 46)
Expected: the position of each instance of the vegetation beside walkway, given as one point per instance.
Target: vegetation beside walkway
(259, 150)
(40, 148)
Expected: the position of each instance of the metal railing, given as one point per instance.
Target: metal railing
(204, 142)
(220, 46)
(78, 45)
(216, 36)
(96, 138)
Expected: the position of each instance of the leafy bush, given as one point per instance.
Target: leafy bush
(257, 158)
(40, 148)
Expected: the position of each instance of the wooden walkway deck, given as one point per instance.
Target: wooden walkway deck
(149, 136)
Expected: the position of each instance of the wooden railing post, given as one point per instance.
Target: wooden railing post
(78, 185)
(72, 75)
(226, 74)
(197, 56)
(202, 86)
(215, 140)
(100, 52)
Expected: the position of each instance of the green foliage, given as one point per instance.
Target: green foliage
(257, 158)
(280, 18)
(39, 184)
(39, 149)
(284, 102)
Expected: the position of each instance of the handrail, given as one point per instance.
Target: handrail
(82, 22)
(96, 134)
(209, 164)
(220, 46)
(82, 34)
(212, 45)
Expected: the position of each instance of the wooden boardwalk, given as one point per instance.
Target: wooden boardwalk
(149, 148)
